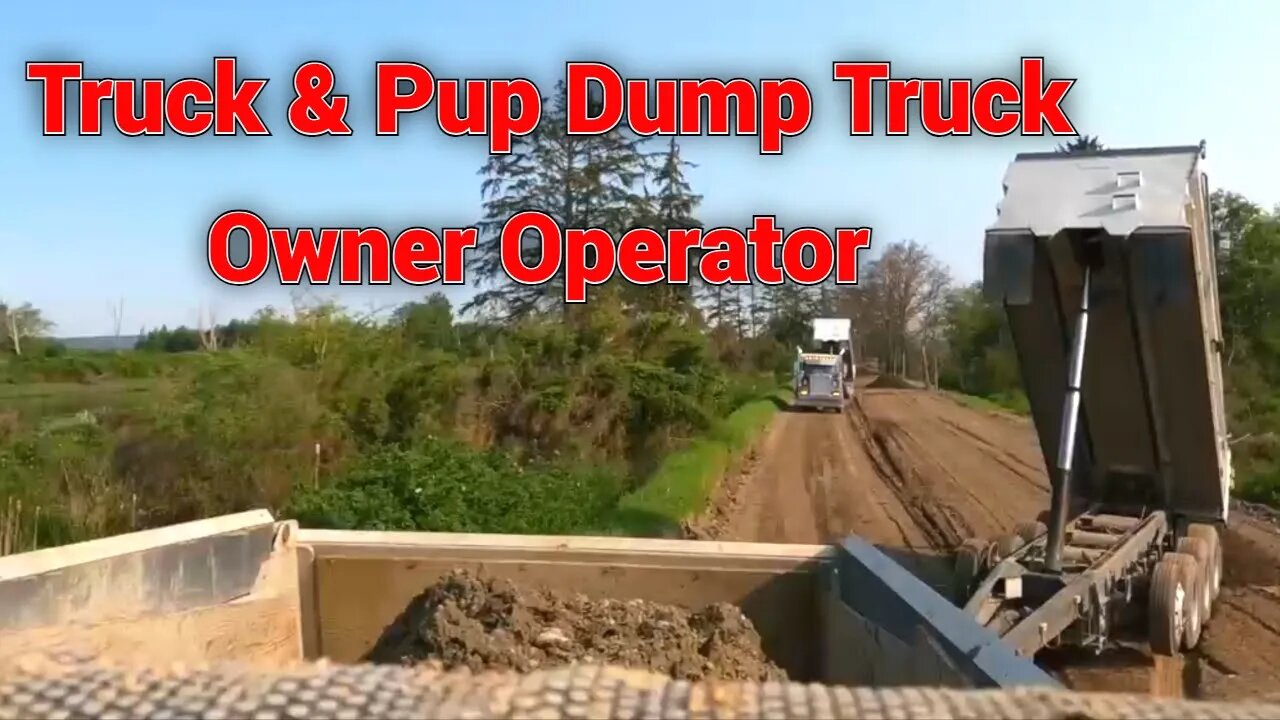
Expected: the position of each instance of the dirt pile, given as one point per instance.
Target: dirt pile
(484, 623)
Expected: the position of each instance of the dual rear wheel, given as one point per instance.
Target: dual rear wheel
(1184, 584)
(1183, 587)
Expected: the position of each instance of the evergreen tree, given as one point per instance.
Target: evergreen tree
(580, 180)
(675, 207)
(724, 308)
(790, 307)
(1082, 144)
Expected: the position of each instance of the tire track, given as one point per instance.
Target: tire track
(942, 527)
(1019, 468)
(892, 508)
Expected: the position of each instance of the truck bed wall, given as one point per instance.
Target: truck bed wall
(225, 588)
(248, 589)
(777, 586)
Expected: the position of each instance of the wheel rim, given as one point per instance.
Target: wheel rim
(1217, 572)
(1179, 614)
(1206, 593)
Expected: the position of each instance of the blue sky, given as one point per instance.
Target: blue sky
(85, 221)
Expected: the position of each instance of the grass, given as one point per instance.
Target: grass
(683, 484)
(37, 401)
(1012, 402)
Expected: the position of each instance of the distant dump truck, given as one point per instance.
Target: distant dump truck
(824, 376)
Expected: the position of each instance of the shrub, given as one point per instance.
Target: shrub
(443, 485)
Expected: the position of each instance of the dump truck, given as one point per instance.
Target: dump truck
(824, 375)
(1104, 264)
(835, 336)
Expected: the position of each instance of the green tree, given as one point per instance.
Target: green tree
(580, 180)
(675, 207)
(427, 324)
(981, 359)
(22, 321)
(790, 308)
(179, 339)
(1232, 216)
(1249, 294)
(1082, 144)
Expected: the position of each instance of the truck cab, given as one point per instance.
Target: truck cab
(823, 377)
(820, 380)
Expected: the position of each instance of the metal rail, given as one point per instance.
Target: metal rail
(889, 597)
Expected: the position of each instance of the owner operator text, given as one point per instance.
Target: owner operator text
(579, 257)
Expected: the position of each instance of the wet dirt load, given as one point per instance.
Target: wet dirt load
(484, 623)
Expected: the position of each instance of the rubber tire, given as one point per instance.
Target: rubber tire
(1210, 534)
(1193, 577)
(1200, 550)
(1029, 531)
(971, 557)
(1166, 617)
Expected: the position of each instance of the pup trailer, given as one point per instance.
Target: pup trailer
(1104, 264)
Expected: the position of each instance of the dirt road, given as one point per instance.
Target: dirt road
(905, 468)
(919, 471)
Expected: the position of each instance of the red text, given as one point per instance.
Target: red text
(151, 107)
(416, 256)
(777, 109)
(500, 109)
(764, 254)
(1036, 105)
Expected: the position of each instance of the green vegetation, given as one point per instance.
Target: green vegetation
(530, 415)
(1013, 401)
(414, 422)
(684, 482)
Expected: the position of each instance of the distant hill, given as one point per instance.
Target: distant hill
(100, 342)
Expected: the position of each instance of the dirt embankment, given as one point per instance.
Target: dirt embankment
(481, 623)
(918, 471)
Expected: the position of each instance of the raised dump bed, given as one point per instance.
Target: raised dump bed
(1152, 426)
(1104, 264)
(247, 588)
